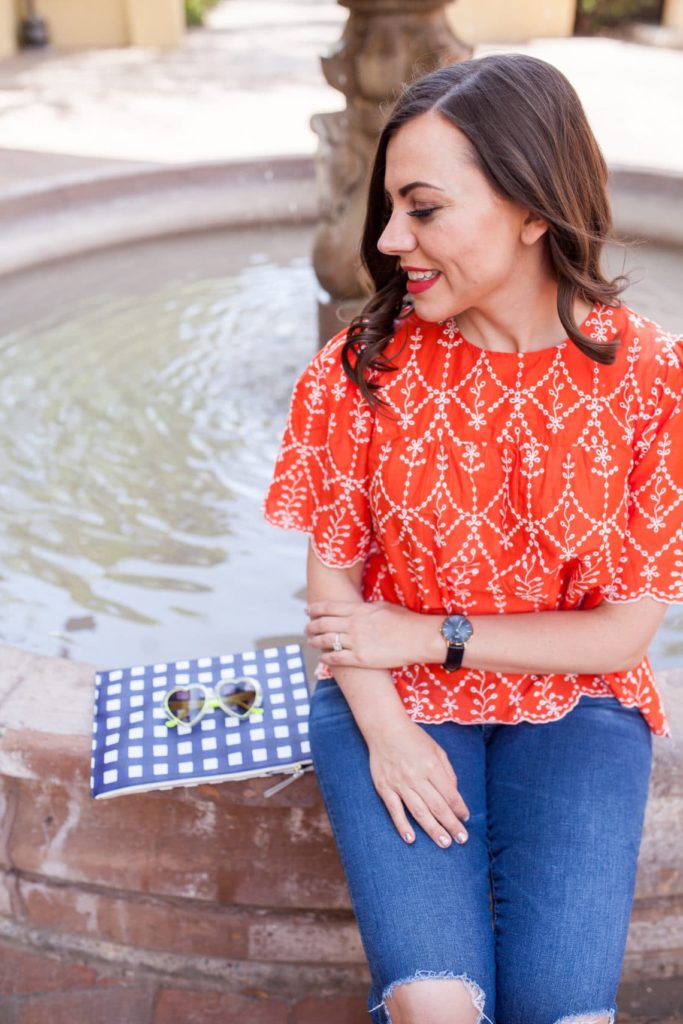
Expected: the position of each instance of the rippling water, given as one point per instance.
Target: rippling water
(140, 419)
(143, 393)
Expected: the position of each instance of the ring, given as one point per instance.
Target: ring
(337, 645)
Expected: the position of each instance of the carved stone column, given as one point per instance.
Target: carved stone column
(385, 44)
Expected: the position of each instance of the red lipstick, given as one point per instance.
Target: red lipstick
(416, 287)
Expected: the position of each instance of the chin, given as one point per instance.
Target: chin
(438, 304)
(436, 313)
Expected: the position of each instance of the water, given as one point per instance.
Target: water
(143, 393)
(140, 419)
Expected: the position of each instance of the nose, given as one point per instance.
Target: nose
(397, 237)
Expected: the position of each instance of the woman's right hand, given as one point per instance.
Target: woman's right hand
(409, 768)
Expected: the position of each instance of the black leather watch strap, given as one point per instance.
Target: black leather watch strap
(454, 657)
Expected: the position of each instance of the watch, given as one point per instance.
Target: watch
(456, 631)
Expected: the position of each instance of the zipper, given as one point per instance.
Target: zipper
(296, 773)
(293, 772)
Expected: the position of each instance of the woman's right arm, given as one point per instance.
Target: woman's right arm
(407, 765)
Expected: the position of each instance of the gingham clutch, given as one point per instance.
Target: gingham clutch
(133, 750)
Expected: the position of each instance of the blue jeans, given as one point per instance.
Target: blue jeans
(532, 912)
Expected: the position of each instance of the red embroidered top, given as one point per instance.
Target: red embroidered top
(503, 482)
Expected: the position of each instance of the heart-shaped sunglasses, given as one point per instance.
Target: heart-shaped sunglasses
(241, 697)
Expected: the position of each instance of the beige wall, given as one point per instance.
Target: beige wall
(673, 14)
(8, 30)
(103, 23)
(75, 23)
(156, 22)
(502, 21)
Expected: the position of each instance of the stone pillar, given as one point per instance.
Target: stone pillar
(385, 44)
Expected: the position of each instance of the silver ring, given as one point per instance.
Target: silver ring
(337, 645)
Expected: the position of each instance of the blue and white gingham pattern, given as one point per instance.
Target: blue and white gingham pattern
(133, 749)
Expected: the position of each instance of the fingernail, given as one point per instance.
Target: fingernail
(408, 836)
(467, 816)
(445, 840)
(461, 837)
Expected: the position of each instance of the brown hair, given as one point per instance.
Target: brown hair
(532, 142)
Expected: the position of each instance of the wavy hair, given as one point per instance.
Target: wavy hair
(533, 143)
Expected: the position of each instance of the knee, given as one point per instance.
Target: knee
(435, 1000)
(601, 1017)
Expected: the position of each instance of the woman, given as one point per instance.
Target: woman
(491, 483)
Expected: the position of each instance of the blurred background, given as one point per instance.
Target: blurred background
(181, 188)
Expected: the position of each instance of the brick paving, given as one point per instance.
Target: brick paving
(36, 987)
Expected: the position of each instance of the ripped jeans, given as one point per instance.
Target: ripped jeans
(532, 912)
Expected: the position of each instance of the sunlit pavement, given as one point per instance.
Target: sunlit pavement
(246, 85)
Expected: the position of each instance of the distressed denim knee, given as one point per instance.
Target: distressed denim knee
(473, 990)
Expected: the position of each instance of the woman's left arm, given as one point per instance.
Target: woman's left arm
(612, 637)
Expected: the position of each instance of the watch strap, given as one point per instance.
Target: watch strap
(454, 657)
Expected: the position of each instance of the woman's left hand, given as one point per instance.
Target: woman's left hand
(373, 634)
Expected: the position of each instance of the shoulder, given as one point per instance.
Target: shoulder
(654, 361)
(325, 379)
(323, 374)
(324, 392)
(328, 356)
(326, 368)
(653, 352)
(327, 360)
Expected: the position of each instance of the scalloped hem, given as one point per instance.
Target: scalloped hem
(664, 734)
(308, 532)
(646, 593)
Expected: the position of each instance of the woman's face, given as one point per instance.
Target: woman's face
(462, 245)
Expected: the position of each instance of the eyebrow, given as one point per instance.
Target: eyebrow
(405, 189)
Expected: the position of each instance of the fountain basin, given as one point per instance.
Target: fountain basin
(217, 892)
(213, 900)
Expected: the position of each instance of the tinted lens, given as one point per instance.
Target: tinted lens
(237, 694)
(186, 704)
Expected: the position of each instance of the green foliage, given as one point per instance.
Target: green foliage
(594, 15)
(196, 9)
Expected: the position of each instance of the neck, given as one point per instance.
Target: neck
(527, 322)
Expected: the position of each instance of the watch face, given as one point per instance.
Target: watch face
(457, 629)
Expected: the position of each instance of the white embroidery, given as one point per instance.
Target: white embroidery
(500, 483)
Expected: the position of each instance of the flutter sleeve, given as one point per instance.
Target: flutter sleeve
(651, 561)
(320, 480)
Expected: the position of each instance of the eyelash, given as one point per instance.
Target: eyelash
(421, 214)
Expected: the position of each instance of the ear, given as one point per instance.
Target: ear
(533, 228)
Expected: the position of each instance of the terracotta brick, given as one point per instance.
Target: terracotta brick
(224, 932)
(305, 938)
(7, 1010)
(103, 1006)
(7, 806)
(657, 999)
(177, 846)
(25, 972)
(332, 1010)
(657, 927)
(660, 871)
(35, 755)
(184, 1006)
(8, 887)
(145, 924)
